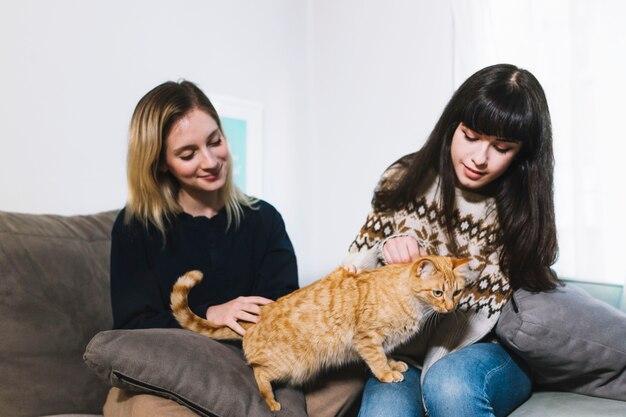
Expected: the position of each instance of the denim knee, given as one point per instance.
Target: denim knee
(394, 399)
(446, 385)
(479, 380)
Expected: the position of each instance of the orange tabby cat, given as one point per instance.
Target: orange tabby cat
(336, 320)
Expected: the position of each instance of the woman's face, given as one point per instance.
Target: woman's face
(480, 159)
(196, 153)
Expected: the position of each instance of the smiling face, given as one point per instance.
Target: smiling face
(197, 154)
(480, 159)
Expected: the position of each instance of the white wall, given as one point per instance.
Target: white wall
(347, 88)
(381, 73)
(71, 73)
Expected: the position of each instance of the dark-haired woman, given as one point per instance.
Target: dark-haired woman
(481, 187)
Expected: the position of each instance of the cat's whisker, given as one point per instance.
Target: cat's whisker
(430, 321)
(456, 318)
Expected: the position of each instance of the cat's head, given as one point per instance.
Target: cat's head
(439, 281)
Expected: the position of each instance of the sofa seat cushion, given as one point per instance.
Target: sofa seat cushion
(566, 404)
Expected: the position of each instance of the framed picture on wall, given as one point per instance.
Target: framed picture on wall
(242, 122)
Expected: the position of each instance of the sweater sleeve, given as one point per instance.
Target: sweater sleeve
(278, 271)
(135, 295)
(365, 251)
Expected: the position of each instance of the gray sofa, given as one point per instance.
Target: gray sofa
(54, 297)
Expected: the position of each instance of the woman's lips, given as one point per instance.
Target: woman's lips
(471, 174)
(213, 176)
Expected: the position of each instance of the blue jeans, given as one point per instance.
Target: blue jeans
(479, 380)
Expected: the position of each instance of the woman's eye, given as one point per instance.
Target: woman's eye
(502, 150)
(187, 157)
(470, 139)
(437, 293)
(216, 142)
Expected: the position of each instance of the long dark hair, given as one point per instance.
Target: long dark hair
(508, 102)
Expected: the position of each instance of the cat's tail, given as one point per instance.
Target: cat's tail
(187, 318)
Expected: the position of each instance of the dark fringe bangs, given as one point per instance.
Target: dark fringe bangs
(504, 113)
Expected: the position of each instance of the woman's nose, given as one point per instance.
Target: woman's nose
(209, 161)
(480, 156)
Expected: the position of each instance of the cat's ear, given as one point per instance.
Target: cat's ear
(459, 261)
(425, 268)
(461, 266)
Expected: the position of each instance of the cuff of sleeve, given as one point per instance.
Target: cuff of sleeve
(364, 259)
(381, 245)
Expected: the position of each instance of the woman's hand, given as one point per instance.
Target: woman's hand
(402, 249)
(351, 269)
(241, 308)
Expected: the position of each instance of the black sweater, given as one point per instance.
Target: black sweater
(256, 258)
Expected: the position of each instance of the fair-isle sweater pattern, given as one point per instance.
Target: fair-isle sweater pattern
(475, 228)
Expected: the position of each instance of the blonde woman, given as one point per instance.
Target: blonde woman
(184, 212)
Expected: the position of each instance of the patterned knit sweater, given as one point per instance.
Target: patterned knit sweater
(475, 228)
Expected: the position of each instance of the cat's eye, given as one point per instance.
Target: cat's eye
(457, 292)
(437, 293)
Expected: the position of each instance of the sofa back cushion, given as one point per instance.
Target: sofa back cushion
(54, 296)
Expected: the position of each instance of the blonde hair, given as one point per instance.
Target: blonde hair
(152, 191)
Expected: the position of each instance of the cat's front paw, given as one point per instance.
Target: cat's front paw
(397, 365)
(391, 376)
(273, 405)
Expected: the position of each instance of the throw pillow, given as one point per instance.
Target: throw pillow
(210, 377)
(571, 341)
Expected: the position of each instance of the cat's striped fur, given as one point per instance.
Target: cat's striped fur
(340, 318)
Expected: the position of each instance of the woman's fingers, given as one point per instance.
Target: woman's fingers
(240, 308)
(413, 249)
(257, 300)
(406, 250)
(236, 327)
(390, 252)
(251, 308)
(402, 249)
(351, 269)
(245, 316)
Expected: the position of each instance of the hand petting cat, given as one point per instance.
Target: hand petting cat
(241, 308)
(401, 249)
